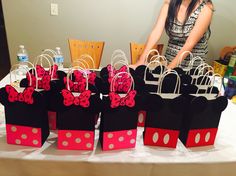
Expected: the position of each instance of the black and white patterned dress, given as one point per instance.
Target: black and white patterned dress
(179, 34)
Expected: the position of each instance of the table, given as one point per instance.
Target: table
(219, 159)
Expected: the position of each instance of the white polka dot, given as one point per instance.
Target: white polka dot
(155, 137)
(111, 146)
(140, 118)
(18, 141)
(65, 143)
(13, 129)
(88, 145)
(68, 134)
(34, 130)
(35, 142)
(129, 132)
(23, 136)
(87, 135)
(197, 138)
(77, 140)
(110, 135)
(207, 137)
(132, 141)
(121, 139)
(166, 138)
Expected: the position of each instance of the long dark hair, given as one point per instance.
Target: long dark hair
(173, 11)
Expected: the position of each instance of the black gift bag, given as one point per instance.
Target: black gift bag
(202, 116)
(26, 115)
(164, 113)
(48, 79)
(150, 74)
(77, 112)
(118, 127)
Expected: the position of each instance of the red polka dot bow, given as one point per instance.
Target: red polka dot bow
(112, 71)
(81, 100)
(42, 72)
(117, 101)
(25, 96)
(79, 76)
(76, 86)
(43, 83)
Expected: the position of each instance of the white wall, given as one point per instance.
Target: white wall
(117, 22)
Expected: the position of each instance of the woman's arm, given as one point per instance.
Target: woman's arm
(156, 32)
(196, 34)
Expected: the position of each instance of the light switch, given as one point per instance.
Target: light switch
(54, 9)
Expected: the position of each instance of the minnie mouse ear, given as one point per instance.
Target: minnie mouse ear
(198, 105)
(103, 72)
(220, 103)
(185, 79)
(131, 70)
(139, 85)
(214, 90)
(169, 83)
(61, 74)
(139, 71)
(188, 89)
(3, 96)
(102, 86)
(179, 70)
(158, 69)
(24, 83)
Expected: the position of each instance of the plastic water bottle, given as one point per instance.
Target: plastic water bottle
(22, 57)
(58, 58)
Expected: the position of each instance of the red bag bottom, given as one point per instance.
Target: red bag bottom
(114, 140)
(141, 118)
(75, 140)
(23, 135)
(160, 137)
(201, 137)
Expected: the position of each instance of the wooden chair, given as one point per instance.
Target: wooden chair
(137, 49)
(92, 48)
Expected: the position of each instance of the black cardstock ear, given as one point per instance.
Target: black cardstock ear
(139, 71)
(185, 79)
(220, 103)
(179, 70)
(198, 104)
(168, 84)
(61, 74)
(213, 90)
(158, 69)
(103, 86)
(188, 89)
(24, 82)
(131, 71)
(103, 72)
(3, 96)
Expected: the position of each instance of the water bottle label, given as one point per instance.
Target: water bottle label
(58, 59)
(22, 58)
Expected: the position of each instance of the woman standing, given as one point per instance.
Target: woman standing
(187, 23)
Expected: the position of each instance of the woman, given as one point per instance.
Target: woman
(187, 23)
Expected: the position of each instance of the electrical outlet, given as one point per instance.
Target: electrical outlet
(54, 9)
